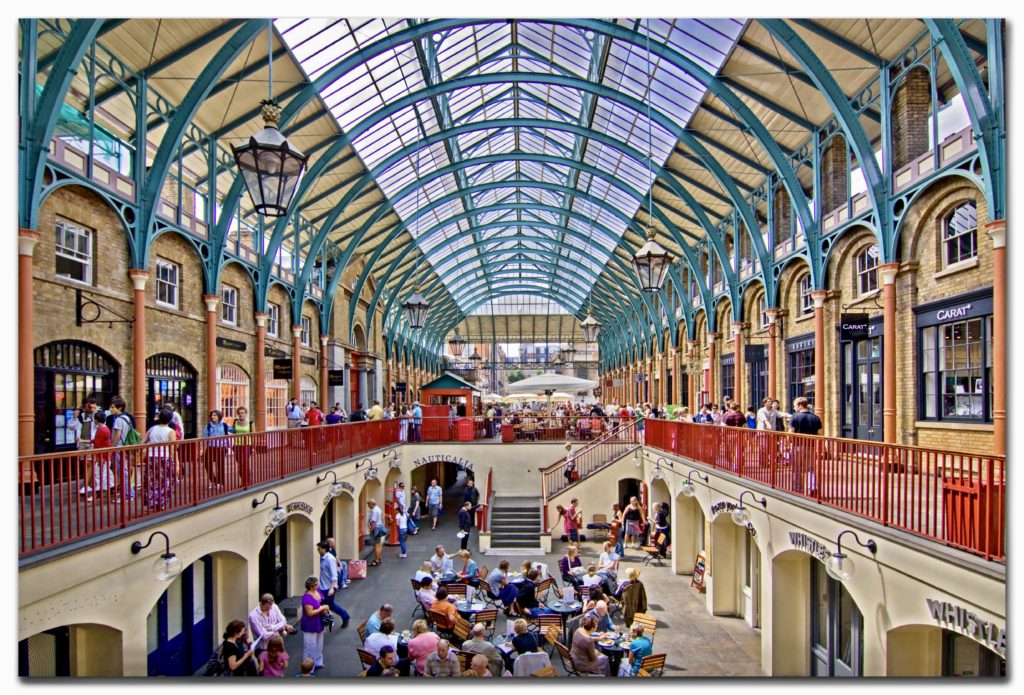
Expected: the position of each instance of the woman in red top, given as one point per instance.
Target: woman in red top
(102, 476)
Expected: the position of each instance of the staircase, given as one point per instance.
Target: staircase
(515, 526)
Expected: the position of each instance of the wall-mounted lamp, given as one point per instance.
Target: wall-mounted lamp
(841, 567)
(636, 458)
(740, 515)
(335, 489)
(168, 565)
(371, 472)
(689, 489)
(395, 461)
(277, 515)
(657, 474)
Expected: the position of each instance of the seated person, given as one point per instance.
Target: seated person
(442, 605)
(386, 659)
(423, 571)
(427, 593)
(600, 615)
(583, 654)
(524, 641)
(374, 621)
(442, 662)
(469, 573)
(527, 597)
(597, 594)
(478, 644)
(571, 566)
(384, 636)
(478, 668)
(608, 563)
(423, 644)
(439, 561)
(591, 578)
(501, 590)
(639, 647)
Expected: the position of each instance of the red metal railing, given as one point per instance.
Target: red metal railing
(593, 456)
(952, 497)
(528, 428)
(167, 477)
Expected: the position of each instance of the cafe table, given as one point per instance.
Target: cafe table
(468, 610)
(615, 646)
(565, 609)
(503, 643)
(444, 578)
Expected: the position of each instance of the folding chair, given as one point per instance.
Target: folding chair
(484, 591)
(653, 551)
(546, 621)
(489, 618)
(457, 590)
(570, 668)
(464, 659)
(440, 623)
(361, 631)
(551, 634)
(546, 672)
(417, 606)
(461, 630)
(366, 659)
(649, 622)
(654, 665)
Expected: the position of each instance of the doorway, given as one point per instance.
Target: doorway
(179, 628)
(750, 606)
(837, 635)
(273, 563)
(171, 379)
(45, 655)
(757, 359)
(861, 387)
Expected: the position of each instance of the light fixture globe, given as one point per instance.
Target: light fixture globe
(416, 309)
(334, 490)
(636, 459)
(591, 328)
(456, 344)
(657, 474)
(475, 358)
(276, 517)
(269, 165)
(740, 516)
(167, 567)
(689, 489)
(840, 567)
(652, 262)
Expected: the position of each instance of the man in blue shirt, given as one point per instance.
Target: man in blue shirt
(600, 613)
(434, 502)
(329, 581)
(417, 422)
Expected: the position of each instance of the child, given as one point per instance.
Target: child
(307, 669)
(102, 476)
(751, 418)
(274, 660)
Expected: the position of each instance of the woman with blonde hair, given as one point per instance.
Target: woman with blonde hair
(470, 573)
(633, 595)
(423, 644)
(523, 641)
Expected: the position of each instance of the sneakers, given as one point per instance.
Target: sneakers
(403, 555)
(345, 585)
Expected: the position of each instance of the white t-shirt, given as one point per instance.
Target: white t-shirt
(608, 560)
(587, 580)
(376, 515)
(402, 520)
(400, 496)
(377, 640)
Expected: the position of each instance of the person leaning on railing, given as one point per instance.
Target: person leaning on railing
(160, 473)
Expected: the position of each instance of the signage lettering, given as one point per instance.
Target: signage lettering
(274, 352)
(954, 313)
(401, 387)
(960, 619)
(442, 458)
(335, 377)
(811, 545)
(282, 369)
(230, 344)
(853, 326)
(299, 506)
(307, 360)
(345, 485)
(721, 507)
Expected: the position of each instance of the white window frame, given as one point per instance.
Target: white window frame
(806, 300)
(229, 310)
(946, 240)
(307, 326)
(273, 319)
(174, 287)
(762, 308)
(61, 250)
(867, 275)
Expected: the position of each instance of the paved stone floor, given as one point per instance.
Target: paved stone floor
(697, 643)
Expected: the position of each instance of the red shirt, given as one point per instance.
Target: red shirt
(314, 417)
(734, 418)
(102, 438)
(624, 413)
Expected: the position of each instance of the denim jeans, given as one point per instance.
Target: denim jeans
(343, 573)
(618, 541)
(402, 533)
(329, 601)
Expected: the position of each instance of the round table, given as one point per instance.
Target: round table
(467, 610)
(565, 609)
(503, 643)
(443, 578)
(615, 651)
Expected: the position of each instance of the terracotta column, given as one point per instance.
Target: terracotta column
(211, 353)
(710, 386)
(650, 381)
(677, 378)
(773, 332)
(324, 395)
(819, 355)
(260, 397)
(27, 240)
(691, 377)
(888, 272)
(737, 338)
(139, 351)
(997, 233)
(296, 362)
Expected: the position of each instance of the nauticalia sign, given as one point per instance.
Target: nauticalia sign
(442, 458)
(960, 619)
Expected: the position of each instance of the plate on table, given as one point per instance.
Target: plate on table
(606, 642)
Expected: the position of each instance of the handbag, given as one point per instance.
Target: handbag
(461, 534)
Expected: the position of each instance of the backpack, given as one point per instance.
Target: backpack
(132, 436)
(215, 665)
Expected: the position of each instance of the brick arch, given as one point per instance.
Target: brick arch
(791, 274)
(91, 192)
(928, 214)
(845, 250)
(751, 294)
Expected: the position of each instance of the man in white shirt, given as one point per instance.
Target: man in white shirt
(440, 561)
(374, 526)
(766, 415)
(294, 413)
(434, 502)
(266, 620)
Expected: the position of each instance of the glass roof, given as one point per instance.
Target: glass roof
(517, 214)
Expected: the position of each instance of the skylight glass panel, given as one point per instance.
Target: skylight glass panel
(569, 49)
(464, 47)
(523, 305)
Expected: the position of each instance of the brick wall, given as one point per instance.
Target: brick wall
(833, 174)
(911, 107)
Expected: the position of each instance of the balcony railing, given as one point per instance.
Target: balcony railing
(509, 429)
(950, 497)
(148, 480)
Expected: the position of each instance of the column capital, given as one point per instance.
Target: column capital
(27, 240)
(323, 342)
(211, 302)
(772, 315)
(261, 319)
(819, 297)
(996, 230)
(297, 331)
(888, 273)
(711, 338)
(139, 278)
(738, 327)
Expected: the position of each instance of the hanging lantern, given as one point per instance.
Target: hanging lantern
(652, 262)
(568, 353)
(591, 327)
(270, 166)
(416, 309)
(456, 344)
(475, 358)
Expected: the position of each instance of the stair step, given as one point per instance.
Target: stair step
(516, 510)
(517, 544)
(515, 534)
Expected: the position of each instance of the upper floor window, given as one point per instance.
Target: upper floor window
(305, 331)
(74, 252)
(806, 300)
(229, 305)
(168, 277)
(960, 234)
(762, 309)
(273, 319)
(867, 270)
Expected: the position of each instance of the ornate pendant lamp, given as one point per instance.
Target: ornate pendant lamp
(269, 165)
(568, 353)
(416, 309)
(456, 344)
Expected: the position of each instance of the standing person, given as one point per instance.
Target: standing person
(357, 414)
(177, 424)
(328, 585)
(242, 449)
(216, 451)
(274, 660)
(618, 529)
(314, 416)
(375, 412)
(403, 425)
(751, 418)
(334, 417)
(416, 509)
(781, 417)
(465, 523)
(471, 494)
(266, 622)
(804, 422)
(343, 581)
(161, 475)
(417, 422)
(434, 494)
(402, 521)
(84, 432)
(635, 519)
(663, 525)
(102, 476)
(766, 415)
(120, 424)
(294, 413)
(573, 520)
(733, 417)
(376, 529)
(239, 653)
(311, 623)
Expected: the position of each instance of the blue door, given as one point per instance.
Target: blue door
(180, 626)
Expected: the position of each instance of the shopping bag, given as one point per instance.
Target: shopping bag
(357, 569)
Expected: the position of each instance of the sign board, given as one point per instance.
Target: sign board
(335, 377)
(304, 359)
(282, 369)
(697, 579)
(853, 326)
(960, 619)
(401, 387)
(230, 344)
(274, 352)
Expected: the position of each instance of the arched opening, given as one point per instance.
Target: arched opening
(338, 522)
(171, 379)
(277, 397)
(932, 651)
(687, 533)
(66, 373)
(232, 390)
(372, 490)
(725, 575)
(302, 556)
(307, 390)
(72, 651)
(180, 626)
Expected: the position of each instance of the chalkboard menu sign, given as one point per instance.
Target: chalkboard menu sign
(698, 572)
(282, 369)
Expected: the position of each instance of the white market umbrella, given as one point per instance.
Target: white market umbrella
(492, 398)
(548, 383)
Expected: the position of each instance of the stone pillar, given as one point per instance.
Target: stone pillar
(139, 351)
(997, 233)
(650, 381)
(211, 354)
(738, 364)
(773, 336)
(324, 395)
(297, 362)
(710, 386)
(27, 240)
(888, 272)
(260, 380)
(819, 354)
(677, 377)
(691, 378)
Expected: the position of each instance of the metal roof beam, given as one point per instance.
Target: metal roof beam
(840, 41)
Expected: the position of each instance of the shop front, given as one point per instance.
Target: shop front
(860, 367)
(171, 379)
(800, 370)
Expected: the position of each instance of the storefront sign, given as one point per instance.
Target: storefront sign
(966, 306)
(753, 353)
(719, 508)
(401, 387)
(274, 352)
(230, 344)
(958, 618)
(335, 377)
(299, 506)
(853, 326)
(282, 369)
(345, 485)
(805, 342)
(307, 360)
(808, 544)
(442, 458)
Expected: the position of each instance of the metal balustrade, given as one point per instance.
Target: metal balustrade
(955, 498)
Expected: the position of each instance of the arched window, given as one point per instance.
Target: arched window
(277, 397)
(232, 390)
(307, 390)
(867, 270)
(960, 234)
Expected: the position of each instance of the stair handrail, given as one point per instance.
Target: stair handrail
(602, 439)
(580, 456)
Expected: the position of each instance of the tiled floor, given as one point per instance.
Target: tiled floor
(697, 643)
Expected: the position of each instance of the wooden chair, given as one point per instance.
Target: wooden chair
(649, 622)
(461, 630)
(489, 617)
(551, 634)
(546, 621)
(458, 590)
(417, 606)
(366, 659)
(440, 623)
(653, 551)
(542, 589)
(484, 591)
(600, 523)
(642, 674)
(464, 659)
(654, 665)
(361, 631)
(546, 672)
(570, 668)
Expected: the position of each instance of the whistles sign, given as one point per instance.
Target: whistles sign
(964, 621)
